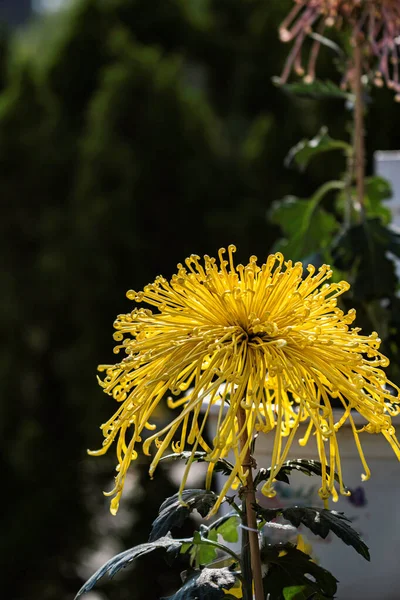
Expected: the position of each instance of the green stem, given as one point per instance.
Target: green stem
(198, 540)
(231, 502)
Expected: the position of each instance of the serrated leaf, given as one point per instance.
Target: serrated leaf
(173, 513)
(305, 150)
(320, 522)
(205, 584)
(317, 89)
(289, 567)
(362, 251)
(221, 466)
(306, 226)
(118, 562)
(307, 466)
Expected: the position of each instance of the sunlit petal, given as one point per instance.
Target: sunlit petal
(267, 339)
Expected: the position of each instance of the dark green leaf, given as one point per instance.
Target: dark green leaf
(362, 251)
(307, 466)
(304, 151)
(115, 564)
(205, 584)
(173, 513)
(267, 514)
(288, 568)
(307, 227)
(317, 89)
(221, 466)
(320, 522)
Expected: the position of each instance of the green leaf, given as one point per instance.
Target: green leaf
(228, 528)
(204, 547)
(290, 568)
(221, 466)
(362, 251)
(317, 89)
(205, 584)
(377, 190)
(186, 547)
(320, 522)
(204, 554)
(118, 562)
(304, 151)
(307, 228)
(307, 466)
(173, 513)
(296, 592)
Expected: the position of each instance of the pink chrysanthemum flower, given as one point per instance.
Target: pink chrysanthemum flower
(374, 22)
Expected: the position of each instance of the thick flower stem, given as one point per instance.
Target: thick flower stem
(251, 519)
(359, 150)
(245, 560)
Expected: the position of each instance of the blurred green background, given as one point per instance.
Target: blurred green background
(132, 134)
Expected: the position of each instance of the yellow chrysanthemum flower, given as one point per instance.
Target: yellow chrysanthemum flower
(265, 341)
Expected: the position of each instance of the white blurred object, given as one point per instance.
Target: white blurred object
(387, 165)
(196, 475)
